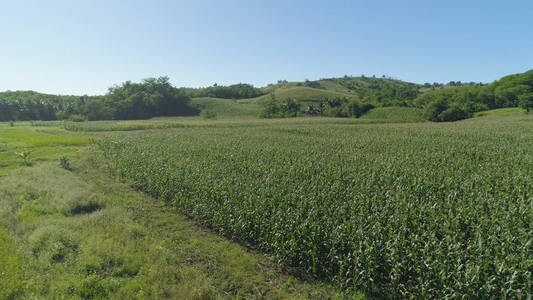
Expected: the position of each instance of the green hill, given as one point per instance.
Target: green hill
(510, 111)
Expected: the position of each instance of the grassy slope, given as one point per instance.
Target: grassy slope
(227, 108)
(329, 88)
(511, 111)
(395, 114)
(86, 235)
(299, 93)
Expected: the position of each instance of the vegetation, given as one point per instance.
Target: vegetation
(417, 210)
(510, 111)
(157, 97)
(82, 234)
(395, 114)
(151, 98)
(336, 107)
(235, 91)
(226, 108)
(461, 103)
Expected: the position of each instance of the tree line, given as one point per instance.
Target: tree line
(336, 107)
(152, 97)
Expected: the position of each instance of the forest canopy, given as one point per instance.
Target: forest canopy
(153, 97)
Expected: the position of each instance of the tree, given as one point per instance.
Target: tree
(153, 97)
(526, 101)
(96, 110)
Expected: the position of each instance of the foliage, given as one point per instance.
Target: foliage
(64, 162)
(235, 91)
(279, 109)
(29, 105)
(312, 84)
(208, 114)
(77, 118)
(467, 100)
(410, 211)
(395, 114)
(440, 111)
(526, 101)
(25, 156)
(153, 97)
(333, 107)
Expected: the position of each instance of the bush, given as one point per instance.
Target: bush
(77, 118)
(440, 111)
(65, 163)
(275, 109)
(357, 109)
(208, 114)
(453, 113)
(434, 109)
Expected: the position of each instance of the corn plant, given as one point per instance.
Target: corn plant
(415, 210)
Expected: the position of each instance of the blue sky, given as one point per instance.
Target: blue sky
(84, 47)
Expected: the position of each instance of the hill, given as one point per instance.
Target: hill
(337, 97)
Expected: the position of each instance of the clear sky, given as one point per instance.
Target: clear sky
(84, 47)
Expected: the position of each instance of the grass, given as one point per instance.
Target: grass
(227, 108)
(11, 274)
(298, 93)
(396, 210)
(511, 111)
(395, 114)
(83, 234)
(45, 144)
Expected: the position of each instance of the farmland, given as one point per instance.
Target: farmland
(431, 210)
(69, 228)
(235, 207)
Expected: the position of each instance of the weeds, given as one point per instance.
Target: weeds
(25, 156)
(64, 162)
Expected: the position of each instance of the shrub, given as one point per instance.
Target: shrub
(453, 113)
(77, 118)
(434, 109)
(208, 114)
(65, 163)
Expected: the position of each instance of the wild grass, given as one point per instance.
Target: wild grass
(396, 210)
(42, 144)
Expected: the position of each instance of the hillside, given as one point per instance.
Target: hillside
(326, 97)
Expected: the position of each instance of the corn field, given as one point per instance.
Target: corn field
(423, 210)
